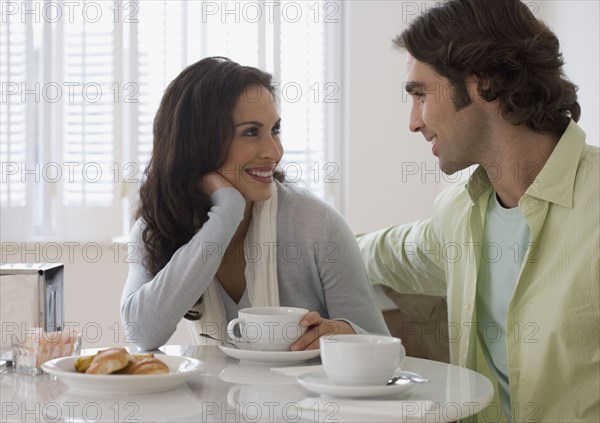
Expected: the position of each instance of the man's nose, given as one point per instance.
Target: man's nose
(415, 123)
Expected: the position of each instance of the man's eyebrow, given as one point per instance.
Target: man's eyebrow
(413, 86)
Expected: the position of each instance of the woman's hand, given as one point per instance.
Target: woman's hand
(318, 327)
(213, 181)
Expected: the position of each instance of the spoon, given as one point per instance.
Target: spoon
(413, 377)
(206, 335)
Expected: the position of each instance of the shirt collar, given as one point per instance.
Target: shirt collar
(478, 184)
(556, 180)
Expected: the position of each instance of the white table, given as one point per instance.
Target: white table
(230, 391)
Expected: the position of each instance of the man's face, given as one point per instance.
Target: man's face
(457, 137)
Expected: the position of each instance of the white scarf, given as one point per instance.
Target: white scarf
(260, 252)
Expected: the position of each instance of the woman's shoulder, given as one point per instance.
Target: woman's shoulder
(305, 218)
(138, 225)
(298, 207)
(292, 194)
(137, 229)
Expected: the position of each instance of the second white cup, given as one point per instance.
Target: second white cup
(361, 360)
(268, 328)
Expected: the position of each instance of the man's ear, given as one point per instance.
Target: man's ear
(483, 83)
(480, 87)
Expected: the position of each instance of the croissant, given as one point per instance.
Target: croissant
(109, 361)
(118, 361)
(145, 366)
(83, 363)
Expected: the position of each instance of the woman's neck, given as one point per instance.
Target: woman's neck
(242, 230)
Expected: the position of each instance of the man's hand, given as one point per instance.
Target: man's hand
(318, 327)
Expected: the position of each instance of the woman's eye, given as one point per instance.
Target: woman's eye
(252, 132)
(276, 130)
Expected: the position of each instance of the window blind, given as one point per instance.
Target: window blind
(16, 152)
(88, 119)
(111, 62)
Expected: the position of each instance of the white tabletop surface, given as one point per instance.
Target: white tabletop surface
(230, 391)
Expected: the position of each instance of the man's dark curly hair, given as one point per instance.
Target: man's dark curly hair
(514, 56)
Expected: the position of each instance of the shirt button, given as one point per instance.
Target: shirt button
(467, 307)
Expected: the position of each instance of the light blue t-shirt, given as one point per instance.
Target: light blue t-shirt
(231, 307)
(507, 237)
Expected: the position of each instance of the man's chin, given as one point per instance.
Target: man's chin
(452, 167)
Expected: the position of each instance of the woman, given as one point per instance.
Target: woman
(219, 230)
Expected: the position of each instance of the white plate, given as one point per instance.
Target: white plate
(317, 382)
(269, 357)
(180, 368)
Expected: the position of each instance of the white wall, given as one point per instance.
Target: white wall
(386, 165)
(575, 22)
(377, 141)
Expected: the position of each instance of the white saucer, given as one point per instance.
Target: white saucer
(270, 357)
(317, 382)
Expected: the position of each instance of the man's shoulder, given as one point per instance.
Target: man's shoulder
(591, 156)
(587, 180)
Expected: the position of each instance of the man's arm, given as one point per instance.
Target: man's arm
(407, 258)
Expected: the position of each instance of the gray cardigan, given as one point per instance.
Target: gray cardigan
(319, 267)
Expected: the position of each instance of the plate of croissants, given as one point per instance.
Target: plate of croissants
(116, 371)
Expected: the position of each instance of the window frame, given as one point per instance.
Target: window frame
(52, 220)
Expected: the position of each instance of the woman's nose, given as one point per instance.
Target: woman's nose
(272, 148)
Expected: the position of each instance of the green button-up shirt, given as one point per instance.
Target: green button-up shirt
(553, 319)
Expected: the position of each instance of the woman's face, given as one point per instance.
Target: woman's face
(256, 149)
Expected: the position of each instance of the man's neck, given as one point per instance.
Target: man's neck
(518, 157)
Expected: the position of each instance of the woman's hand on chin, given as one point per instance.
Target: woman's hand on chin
(213, 181)
(318, 327)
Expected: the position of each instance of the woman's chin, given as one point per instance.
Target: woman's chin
(258, 195)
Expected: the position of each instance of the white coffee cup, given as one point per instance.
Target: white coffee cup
(268, 328)
(361, 360)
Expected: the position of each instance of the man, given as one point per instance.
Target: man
(516, 248)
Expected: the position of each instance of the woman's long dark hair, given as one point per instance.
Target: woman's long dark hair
(515, 55)
(193, 130)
